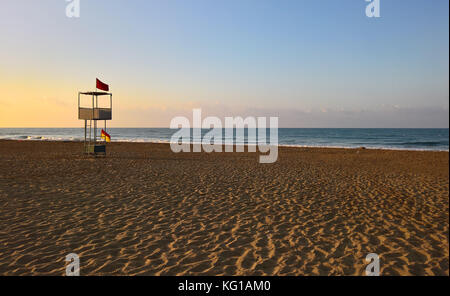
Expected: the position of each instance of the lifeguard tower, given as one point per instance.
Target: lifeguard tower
(98, 108)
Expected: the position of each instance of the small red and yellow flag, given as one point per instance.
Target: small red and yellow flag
(106, 136)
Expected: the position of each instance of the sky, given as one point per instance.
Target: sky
(312, 63)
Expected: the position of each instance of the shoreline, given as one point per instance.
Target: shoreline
(279, 145)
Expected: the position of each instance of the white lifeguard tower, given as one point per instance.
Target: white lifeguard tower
(91, 113)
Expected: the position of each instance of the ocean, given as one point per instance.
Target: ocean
(392, 138)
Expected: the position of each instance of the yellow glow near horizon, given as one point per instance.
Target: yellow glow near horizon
(38, 103)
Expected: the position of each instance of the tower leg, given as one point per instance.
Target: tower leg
(85, 132)
(90, 135)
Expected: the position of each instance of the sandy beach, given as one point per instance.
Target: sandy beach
(144, 210)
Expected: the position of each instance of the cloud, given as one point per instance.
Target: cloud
(386, 116)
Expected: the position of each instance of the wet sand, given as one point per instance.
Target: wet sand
(145, 210)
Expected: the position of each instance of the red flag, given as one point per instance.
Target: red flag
(102, 86)
(106, 136)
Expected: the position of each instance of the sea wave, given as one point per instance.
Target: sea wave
(164, 141)
(387, 139)
(41, 138)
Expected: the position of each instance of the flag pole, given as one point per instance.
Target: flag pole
(96, 99)
(101, 134)
(94, 106)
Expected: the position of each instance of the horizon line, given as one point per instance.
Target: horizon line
(223, 127)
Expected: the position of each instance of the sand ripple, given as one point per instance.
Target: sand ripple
(147, 211)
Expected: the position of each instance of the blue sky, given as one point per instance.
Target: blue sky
(312, 63)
